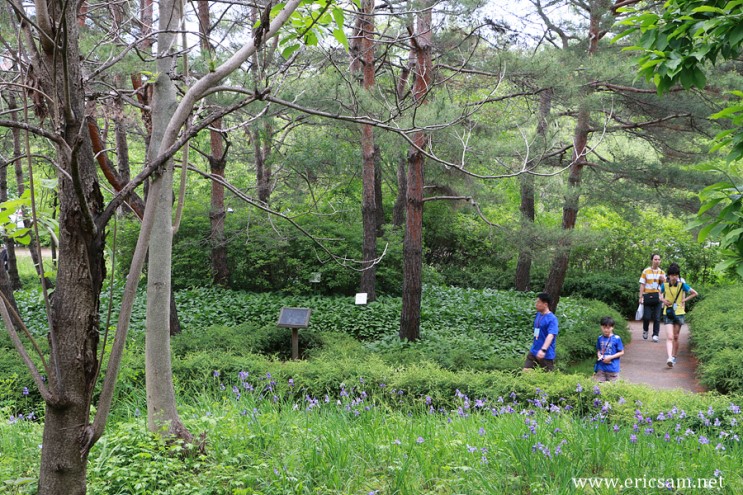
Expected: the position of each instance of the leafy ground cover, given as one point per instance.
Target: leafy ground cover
(368, 415)
(263, 436)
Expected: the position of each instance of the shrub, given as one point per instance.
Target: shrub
(618, 291)
(269, 255)
(716, 339)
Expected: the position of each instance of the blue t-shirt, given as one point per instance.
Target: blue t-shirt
(544, 324)
(609, 346)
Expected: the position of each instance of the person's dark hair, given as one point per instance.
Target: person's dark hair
(544, 297)
(607, 321)
(674, 269)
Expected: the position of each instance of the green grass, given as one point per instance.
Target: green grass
(258, 444)
(349, 420)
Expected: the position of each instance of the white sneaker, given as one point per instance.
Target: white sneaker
(670, 362)
(674, 359)
(655, 338)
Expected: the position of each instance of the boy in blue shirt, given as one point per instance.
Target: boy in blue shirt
(609, 349)
(542, 351)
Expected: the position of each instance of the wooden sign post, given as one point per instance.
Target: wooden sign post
(294, 318)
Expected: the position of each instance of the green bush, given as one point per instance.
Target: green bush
(266, 255)
(716, 339)
(619, 291)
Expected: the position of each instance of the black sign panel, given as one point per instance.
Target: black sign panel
(294, 317)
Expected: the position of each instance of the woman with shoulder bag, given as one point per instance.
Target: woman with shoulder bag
(650, 281)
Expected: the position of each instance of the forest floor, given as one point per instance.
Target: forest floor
(644, 361)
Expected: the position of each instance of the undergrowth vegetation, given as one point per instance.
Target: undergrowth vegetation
(365, 413)
(717, 340)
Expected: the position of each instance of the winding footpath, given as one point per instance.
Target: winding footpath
(644, 361)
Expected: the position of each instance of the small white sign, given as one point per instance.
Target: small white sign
(361, 298)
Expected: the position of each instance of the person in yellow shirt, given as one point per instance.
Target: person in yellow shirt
(650, 281)
(674, 294)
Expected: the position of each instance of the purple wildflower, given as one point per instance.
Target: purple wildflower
(633, 438)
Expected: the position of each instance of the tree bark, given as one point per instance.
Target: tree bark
(413, 244)
(523, 266)
(217, 214)
(561, 260)
(74, 331)
(398, 209)
(365, 63)
(162, 413)
(6, 285)
(15, 279)
(217, 162)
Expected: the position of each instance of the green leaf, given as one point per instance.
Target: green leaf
(736, 36)
(709, 204)
(700, 80)
(707, 8)
(341, 37)
(289, 50)
(310, 38)
(727, 112)
(686, 77)
(338, 17)
(704, 233)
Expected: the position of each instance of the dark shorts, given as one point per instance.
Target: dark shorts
(533, 362)
(606, 376)
(678, 320)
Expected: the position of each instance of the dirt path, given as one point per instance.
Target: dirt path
(644, 361)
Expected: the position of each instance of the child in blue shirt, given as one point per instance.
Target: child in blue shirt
(609, 349)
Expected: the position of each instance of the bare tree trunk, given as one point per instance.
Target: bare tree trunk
(217, 163)
(398, 210)
(262, 132)
(378, 190)
(560, 262)
(162, 413)
(261, 151)
(15, 279)
(73, 336)
(6, 286)
(413, 243)
(365, 63)
(523, 267)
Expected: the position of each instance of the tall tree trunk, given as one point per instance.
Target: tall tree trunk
(378, 190)
(262, 132)
(560, 262)
(73, 336)
(523, 267)
(15, 279)
(217, 162)
(398, 209)
(413, 243)
(369, 189)
(6, 286)
(217, 214)
(162, 414)
(21, 188)
(261, 136)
